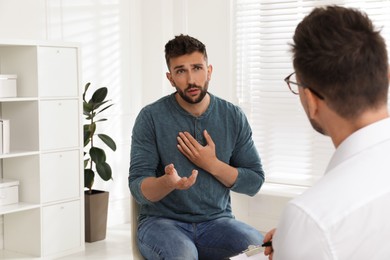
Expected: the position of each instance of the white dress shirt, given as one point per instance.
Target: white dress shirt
(346, 215)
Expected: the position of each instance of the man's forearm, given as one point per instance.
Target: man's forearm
(155, 189)
(224, 173)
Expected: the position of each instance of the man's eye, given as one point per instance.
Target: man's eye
(179, 71)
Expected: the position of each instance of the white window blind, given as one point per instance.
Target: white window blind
(291, 151)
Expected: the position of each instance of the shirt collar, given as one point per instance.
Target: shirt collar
(360, 140)
(184, 112)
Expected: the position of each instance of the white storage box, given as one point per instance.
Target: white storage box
(7, 86)
(9, 191)
(4, 136)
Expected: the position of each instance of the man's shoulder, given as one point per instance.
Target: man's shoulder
(220, 100)
(225, 103)
(158, 104)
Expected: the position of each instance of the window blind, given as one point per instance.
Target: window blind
(291, 151)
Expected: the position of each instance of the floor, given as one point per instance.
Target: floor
(116, 246)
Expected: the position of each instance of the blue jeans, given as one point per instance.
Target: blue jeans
(161, 238)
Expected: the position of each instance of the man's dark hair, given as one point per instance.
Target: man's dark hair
(182, 45)
(339, 54)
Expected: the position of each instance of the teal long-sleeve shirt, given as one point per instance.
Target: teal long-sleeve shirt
(154, 145)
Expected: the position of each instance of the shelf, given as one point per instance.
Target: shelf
(29, 43)
(18, 99)
(17, 207)
(46, 151)
(14, 154)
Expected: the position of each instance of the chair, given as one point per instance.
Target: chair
(134, 211)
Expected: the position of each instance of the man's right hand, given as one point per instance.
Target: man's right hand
(155, 189)
(174, 181)
(269, 251)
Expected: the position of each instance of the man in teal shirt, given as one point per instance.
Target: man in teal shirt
(189, 149)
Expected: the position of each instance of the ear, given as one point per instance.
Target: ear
(312, 103)
(209, 72)
(169, 77)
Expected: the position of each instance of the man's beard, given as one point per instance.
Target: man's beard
(317, 127)
(203, 92)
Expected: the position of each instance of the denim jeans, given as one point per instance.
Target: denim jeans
(161, 238)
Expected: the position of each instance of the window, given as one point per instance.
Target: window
(291, 151)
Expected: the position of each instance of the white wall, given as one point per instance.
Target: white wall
(209, 21)
(122, 48)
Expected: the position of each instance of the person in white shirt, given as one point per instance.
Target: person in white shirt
(341, 77)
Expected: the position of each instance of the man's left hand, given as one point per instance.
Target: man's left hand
(201, 156)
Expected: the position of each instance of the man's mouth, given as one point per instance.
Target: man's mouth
(193, 91)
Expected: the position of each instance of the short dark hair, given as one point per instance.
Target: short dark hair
(338, 53)
(181, 45)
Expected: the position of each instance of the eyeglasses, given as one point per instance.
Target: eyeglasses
(293, 85)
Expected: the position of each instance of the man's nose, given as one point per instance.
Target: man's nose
(191, 78)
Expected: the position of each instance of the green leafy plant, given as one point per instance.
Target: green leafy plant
(95, 157)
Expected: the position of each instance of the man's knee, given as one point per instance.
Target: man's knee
(177, 250)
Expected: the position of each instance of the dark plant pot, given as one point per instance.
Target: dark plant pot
(96, 210)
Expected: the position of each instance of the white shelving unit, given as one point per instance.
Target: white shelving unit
(46, 150)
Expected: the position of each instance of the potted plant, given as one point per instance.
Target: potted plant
(96, 201)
